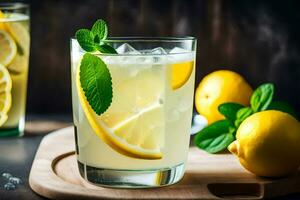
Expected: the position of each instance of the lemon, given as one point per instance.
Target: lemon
(129, 136)
(220, 87)
(5, 94)
(2, 25)
(20, 35)
(268, 144)
(181, 73)
(18, 64)
(8, 49)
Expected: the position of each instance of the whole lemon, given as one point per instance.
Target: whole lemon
(219, 87)
(268, 144)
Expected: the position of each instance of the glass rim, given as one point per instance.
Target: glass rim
(13, 5)
(145, 39)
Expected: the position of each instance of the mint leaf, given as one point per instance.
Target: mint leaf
(105, 48)
(262, 97)
(242, 114)
(93, 40)
(85, 39)
(282, 106)
(96, 83)
(229, 110)
(215, 137)
(99, 30)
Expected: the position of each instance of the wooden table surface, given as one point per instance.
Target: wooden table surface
(16, 155)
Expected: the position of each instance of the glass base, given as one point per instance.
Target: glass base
(11, 132)
(131, 178)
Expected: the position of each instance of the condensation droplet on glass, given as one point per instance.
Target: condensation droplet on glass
(9, 186)
(15, 180)
(161, 101)
(6, 175)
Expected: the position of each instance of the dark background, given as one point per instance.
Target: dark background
(258, 39)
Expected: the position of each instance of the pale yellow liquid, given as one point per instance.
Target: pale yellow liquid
(19, 78)
(135, 85)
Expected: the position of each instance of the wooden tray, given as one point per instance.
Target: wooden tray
(54, 174)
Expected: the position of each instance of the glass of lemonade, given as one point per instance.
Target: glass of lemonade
(142, 139)
(14, 56)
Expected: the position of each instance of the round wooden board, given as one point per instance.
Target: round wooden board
(54, 174)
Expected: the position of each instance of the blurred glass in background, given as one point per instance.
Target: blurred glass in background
(14, 57)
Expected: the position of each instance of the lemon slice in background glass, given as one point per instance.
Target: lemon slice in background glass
(129, 136)
(5, 93)
(2, 25)
(20, 34)
(8, 49)
(18, 64)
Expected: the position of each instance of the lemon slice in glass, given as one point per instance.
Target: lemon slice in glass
(20, 35)
(8, 49)
(2, 25)
(181, 73)
(18, 64)
(136, 136)
(5, 94)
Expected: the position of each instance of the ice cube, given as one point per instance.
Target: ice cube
(127, 49)
(158, 51)
(133, 72)
(178, 54)
(178, 50)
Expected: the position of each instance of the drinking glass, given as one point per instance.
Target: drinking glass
(142, 139)
(14, 56)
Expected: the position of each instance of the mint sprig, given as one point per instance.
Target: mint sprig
(217, 136)
(229, 110)
(95, 78)
(99, 30)
(94, 39)
(85, 39)
(96, 82)
(262, 97)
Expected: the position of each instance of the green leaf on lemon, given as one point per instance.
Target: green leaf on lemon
(215, 137)
(242, 114)
(229, 110)
(96, 83)
(262, 97)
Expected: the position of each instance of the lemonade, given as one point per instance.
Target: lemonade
(14, 56)
(142, 139)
